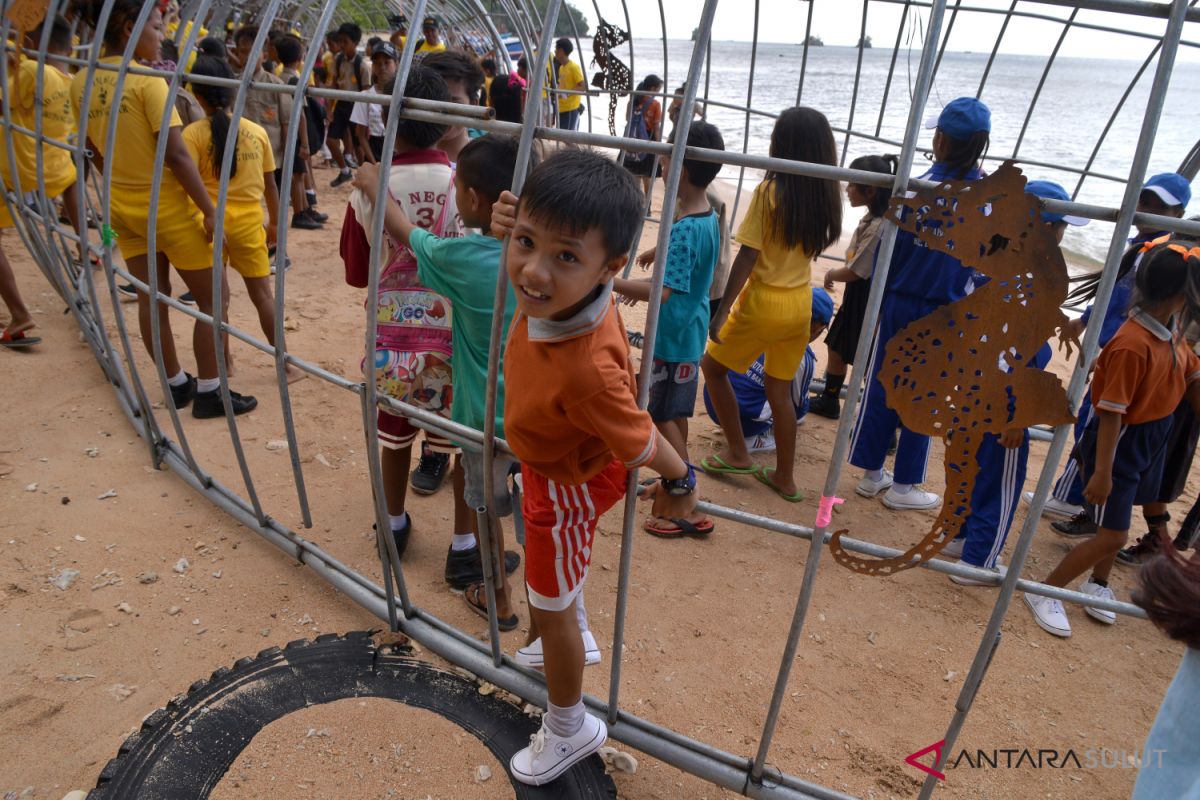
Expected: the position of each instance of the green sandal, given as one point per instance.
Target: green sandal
(715, 465)
(764, 477)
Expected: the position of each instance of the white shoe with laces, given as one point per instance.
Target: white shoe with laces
(1054, 507)
(955, 548)
(1000, 570)
(531, 654)
(1048, 613)
(761, 443)
(915, 499)
(871, 488)
(549, 756)
(1102, 593)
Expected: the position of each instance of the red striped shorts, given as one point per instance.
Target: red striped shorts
(560, 525)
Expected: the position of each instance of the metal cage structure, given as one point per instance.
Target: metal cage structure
(92, 299)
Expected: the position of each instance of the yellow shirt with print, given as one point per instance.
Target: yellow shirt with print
(569, 75)
(254, 160)
(58, 123)
(426, 48)
(139, 118)
(778, 265)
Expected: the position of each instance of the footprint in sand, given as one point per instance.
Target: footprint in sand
(82, 628)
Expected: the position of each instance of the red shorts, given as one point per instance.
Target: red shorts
(560, 524)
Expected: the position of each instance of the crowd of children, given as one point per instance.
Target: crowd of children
(566, 395)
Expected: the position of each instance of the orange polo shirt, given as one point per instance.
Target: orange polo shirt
(1143, 371)
(570, 404)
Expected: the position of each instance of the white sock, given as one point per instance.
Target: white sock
(580, 612)
(902, 488)
(564, 721)
(462, 541)
(875, 475)
(345, 170)
(399, 521)
(207, 385)
(178, 380)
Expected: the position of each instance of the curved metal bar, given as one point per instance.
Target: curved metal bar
(887, 86)
(858, 62)
(737, 197)
(803, 52)
(987, 69)
(1037, 93)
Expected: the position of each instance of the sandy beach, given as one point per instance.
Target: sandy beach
(876, 675)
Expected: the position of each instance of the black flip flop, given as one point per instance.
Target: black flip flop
(682, 528)
(16, 341)
(476, 590)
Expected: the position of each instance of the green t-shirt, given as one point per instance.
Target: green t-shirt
(464, 269)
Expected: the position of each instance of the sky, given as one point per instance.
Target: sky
(838, 22)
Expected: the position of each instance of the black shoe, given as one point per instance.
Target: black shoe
(311, 197)
(344, 176)
(126, 292)
(317, 215)
(1139, 552)
(400, 535)
(427, 478)
(208, 405)
(182, 394)
(825, 405)
(465, 567)
(305, 221)
(187, 299)
(1079, 526)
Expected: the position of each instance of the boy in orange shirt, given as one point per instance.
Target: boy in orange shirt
(571, 417)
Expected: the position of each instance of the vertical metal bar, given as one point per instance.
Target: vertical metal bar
(654, 306)
(737, 197)
(862, 36)
(1042, 80)
(524, 155)
(946, 38)
(987, 69)
(912, 129)
(887, 86)
(1091, 341)
(804, 52)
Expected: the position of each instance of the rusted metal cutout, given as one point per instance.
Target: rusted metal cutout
(959, 372)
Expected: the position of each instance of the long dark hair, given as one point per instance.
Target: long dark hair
(1169, 592)
(650, 83)
(123, 11)
(1170, 269)
(505, 97)
(808, 211)
(965, 155)
(219, 99)
(1086, 286)
(880, 197)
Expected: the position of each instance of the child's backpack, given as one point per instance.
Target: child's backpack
(358, 60)
(636, 129)
(314, 117)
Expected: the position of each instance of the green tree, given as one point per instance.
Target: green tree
(566, 15)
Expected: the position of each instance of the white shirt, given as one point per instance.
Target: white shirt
(369, 114)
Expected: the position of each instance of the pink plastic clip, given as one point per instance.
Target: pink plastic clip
(825, 510)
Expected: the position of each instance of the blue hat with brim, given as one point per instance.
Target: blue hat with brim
(822, 306)
(962, 118)
(1170, 187)
(1049, 190)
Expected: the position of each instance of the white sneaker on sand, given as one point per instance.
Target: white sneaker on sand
(869, 488)
(954, 549)
(1001, 570)
(531, 654)
(761, 443)
(914, 499)
(549, 756)
(1103, 593)
(1054, 507)
(1049, 615)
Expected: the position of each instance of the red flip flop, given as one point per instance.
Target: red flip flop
(16, 341)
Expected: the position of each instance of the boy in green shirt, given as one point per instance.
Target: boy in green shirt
(464, 270)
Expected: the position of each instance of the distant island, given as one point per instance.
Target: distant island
(815, 41)
(865, 43)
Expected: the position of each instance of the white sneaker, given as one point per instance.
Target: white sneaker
(1049, 615)
(531, 654)
(915, 500)
(869, 488)
(1104, 593)
(1054, 507)
(954, 549)
(1000, 570)
(761, 443)
(549, 756)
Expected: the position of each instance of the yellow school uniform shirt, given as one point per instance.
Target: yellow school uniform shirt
(426, 48)
(328, 61)
(58, 123)
(570, 74)
(778, 265)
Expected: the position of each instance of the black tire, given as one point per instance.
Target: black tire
(182, 751)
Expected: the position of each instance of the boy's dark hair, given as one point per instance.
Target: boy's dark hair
(168, 51)
(487, 164)
(702, 134)
(455, 65)
(808, 211)
(220, 99)
(212, 46)
(1166, 273)
(423, 84)
(964, 155)
(288, 48)
(488, 64)
(505, 98)
(565, 44)
(350, 31)
(880, 197)
(374, 40)
(1169, 592)
(122, 11)
(577, 190)
(522, 62)
(245, 32)
(60, 35)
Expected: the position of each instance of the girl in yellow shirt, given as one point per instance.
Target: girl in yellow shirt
(182, 234)
(251, 179)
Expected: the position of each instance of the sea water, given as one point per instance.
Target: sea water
(1066, 125)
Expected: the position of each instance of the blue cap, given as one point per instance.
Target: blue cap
(1050, 190)
(1171, 187)
(962, 118)
(822, 306)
